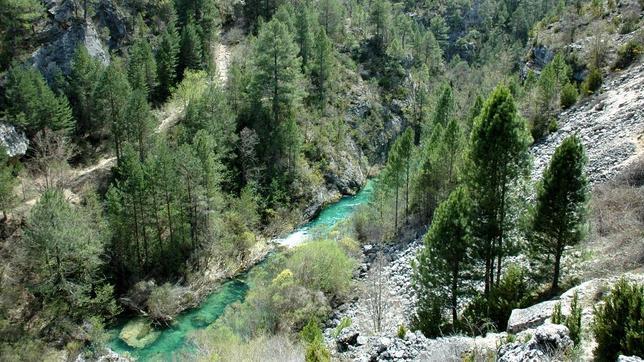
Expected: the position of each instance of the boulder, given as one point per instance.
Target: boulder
(138, 333)
(522, 319)
(548, 343)
(346, 339)
(13, 141)
(629, 359)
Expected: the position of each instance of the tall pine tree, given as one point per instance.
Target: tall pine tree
(497, 158)
(561, 205)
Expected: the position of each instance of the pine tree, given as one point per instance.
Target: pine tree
(64, 248)
(276, 90)
(191, 49)
(16, 22)
(498, 157)
(381, 20)
(444, 108)
(212, 114)
(561, 205)
(142, 67)
(446, 257)
(304, 23)
(139, 122)
(111, 97)
(33, 105)
(84, 75)
(397, 171)
(331, 17)
(322, 68)
(7, 184)
(167, 57)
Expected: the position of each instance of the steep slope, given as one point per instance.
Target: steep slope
(611, 126)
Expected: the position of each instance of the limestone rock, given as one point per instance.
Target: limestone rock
(629, 359)
(138, 333)
(13, 141)
(549, 343)
(522, 319)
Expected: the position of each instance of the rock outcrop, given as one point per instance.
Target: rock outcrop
(64, 33)
(610, 125)
(14, 142)
(550, 342)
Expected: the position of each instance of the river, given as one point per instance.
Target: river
(172, 339)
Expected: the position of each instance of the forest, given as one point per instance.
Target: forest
(169, 144)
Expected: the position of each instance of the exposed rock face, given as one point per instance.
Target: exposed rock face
(549, 343)
(522, 319)
(58, 54)
(610, 125)
(13, 141)
(65, 31)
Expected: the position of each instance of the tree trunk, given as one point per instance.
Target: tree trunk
(555, 277)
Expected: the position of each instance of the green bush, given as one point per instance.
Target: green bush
(568, 95)
(402, 331)
(573, 321)
(593, 82)
(627, 54)
(557, 317)
(322, 265)
(512, 292)
(344, 323)
(619, 322)
(316, 351)
(429, 318)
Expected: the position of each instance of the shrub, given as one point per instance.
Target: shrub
(429, 318)
(512, 292)
(593, 82)
(402, 331)
(344, 323)
(619, 322)
(164, 303)
(568, 95)
(556, 318)
(316, 351)
(573, 321)
(627, 54)
(322, 265)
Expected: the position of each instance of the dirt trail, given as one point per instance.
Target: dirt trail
(168, 117)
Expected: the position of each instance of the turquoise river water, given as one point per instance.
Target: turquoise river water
(173, 339)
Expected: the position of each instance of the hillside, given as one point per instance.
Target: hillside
(321, 180)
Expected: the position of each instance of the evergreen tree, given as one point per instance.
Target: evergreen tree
(191, 49)
(276, 90)
(142, 67)
(397, 171)
(111, 97)
(561, 201)
(33, 105)
(64, 248)
(7, 183)
(446, 257)
(440, 29)
(212, 113)
(428, 179)
(381, 21)
(16, 23)
(304, 24)
(139, 122)
(498, 156)
(84, 75)
(331, 17)
(444, 108)
(167, 57)
(322, 68)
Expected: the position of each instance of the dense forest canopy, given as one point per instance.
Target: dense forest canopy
(170, 140)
